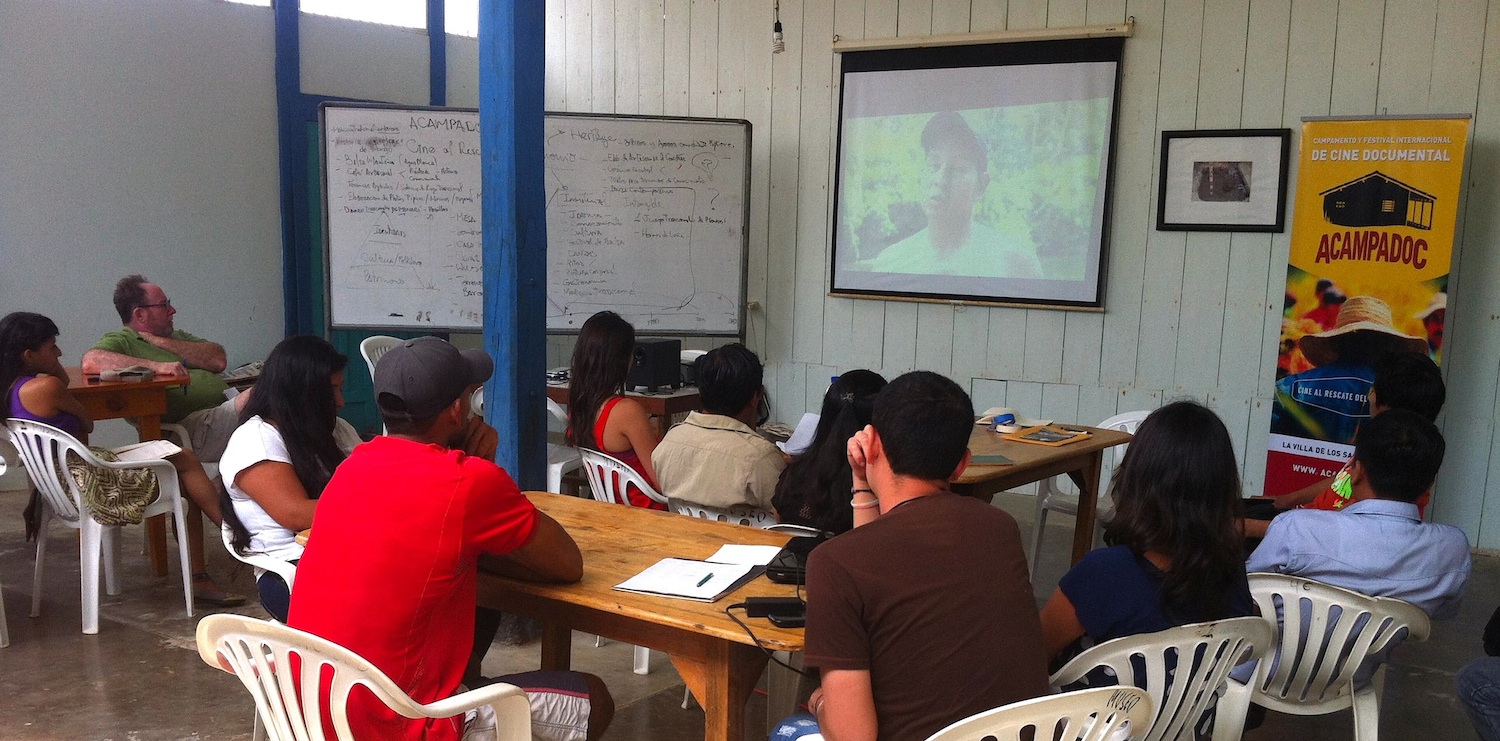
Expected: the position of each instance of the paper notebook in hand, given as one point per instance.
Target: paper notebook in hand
(704, 581)
(147, 451)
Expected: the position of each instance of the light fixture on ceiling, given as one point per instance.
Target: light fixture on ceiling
(777, 44)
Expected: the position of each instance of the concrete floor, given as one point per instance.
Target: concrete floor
(140, 678)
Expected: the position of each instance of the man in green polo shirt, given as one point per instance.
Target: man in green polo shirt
(149, 339)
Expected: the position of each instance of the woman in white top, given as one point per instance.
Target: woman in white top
(286, 448)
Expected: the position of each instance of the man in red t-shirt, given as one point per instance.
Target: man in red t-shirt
(391, 573)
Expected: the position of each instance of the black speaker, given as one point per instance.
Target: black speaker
(656, 363)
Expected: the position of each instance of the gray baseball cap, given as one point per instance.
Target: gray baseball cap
(419, 378)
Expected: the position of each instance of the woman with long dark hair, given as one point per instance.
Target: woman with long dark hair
(36, 387)
(814, 489)
(286, 448)
(1175, 554)
(600, 416)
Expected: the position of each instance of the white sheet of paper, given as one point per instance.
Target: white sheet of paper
(147, 451)
(753, 555)
(680, 577)
(802, 437)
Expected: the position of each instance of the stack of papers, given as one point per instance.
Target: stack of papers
(802, 437)
(248, 370)
(754, 555)
(704, 581)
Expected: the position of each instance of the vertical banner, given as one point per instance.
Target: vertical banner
(1372, 244)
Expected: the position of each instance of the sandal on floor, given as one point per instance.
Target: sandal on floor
(207, 592)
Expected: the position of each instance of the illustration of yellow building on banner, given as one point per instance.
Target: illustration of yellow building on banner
(1372, 244)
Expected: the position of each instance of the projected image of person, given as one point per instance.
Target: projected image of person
(953, 242)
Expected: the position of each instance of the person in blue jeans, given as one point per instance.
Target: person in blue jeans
(1479, 684)
(799, 726)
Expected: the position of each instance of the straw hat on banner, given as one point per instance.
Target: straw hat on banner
(1358, 314)
(1439, 302)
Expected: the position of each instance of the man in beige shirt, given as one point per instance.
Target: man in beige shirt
(715, 458)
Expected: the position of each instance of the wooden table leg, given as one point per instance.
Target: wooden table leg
(156, 527)
(783, 690)
(723, 685)
(557, 646)
(156, 544)
(1087, 479)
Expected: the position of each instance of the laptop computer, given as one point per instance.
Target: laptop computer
(790, 564)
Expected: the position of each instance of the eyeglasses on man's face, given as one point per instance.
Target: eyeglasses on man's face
(163, 305)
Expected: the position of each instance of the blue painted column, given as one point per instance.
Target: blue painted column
(511, 78)
(437, 52)
(291, 137)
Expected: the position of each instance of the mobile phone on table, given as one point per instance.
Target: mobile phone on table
(788, 619)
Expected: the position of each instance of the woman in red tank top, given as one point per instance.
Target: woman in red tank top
(600, 417)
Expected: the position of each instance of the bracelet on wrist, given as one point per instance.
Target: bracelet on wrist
(865, 491)
(871, 504)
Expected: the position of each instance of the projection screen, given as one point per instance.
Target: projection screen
(976, 173)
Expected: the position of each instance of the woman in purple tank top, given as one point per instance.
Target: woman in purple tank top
(36, 388)
(32, 374)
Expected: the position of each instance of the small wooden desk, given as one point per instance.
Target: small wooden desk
(1081, 461)
(146, 401)
(660, 405)
(716, 658)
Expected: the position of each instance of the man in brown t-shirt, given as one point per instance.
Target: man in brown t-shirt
(925, 615)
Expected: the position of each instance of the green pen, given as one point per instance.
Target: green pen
(705, 578)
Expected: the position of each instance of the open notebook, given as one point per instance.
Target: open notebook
(704, 581)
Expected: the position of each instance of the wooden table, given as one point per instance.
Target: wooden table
(662, 405)
(719, 662)
(1081, 461)
(146, 401)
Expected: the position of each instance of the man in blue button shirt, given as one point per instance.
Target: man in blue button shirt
(1378, 545)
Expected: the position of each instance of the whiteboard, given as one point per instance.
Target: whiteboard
(401, 205)
(646, 217)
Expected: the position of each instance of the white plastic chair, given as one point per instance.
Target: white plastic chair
(560, 458)
(609, 478)
(1051, 493)
(1326, 632)
(44, 451)
(738, 514)
(374, 346)
(261, 562)
(254, 650)
(1085, 715)
(1184, 670)
(179, 434)
(4, 629)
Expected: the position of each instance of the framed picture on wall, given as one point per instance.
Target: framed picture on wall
(1225, 180)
